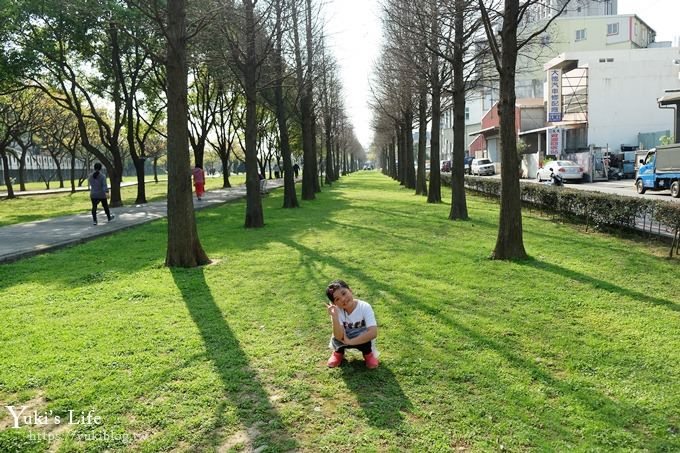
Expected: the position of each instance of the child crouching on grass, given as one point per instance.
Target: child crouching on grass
(354, 325)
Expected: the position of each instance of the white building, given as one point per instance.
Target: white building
(41, 167)
(609, 97)
(584, 25)
(599, 101)
(578, 8)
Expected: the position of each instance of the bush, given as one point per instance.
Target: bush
(592, 208)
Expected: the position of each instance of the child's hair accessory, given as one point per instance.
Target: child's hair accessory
(332, 286)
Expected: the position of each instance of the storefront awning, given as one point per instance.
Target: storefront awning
(671, 98)
(535, 131)
(569, 124)
(488, 131)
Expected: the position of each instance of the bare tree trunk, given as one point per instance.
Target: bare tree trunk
(393, 160)
(458, 200)
(408, 138)
(184, 246)
(127, 96)
(315, 154)
(309, 38)
(155, 169)
(141, 183)
(60, 176)
(341, 166)
(401, 152)
(329, 153)
(308, 176)
(8, 179)
(224, 158)
(289, 195)
(115, 178)
(509, 244)
(421, 182)
(434, 195)
(254, 214)
(73, 172)
(22, 169)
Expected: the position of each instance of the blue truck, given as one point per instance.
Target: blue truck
(660, 170)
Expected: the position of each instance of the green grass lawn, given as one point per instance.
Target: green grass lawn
(31, 208)
(577, 348)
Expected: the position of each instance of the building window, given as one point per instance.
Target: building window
(581, 34)
(613, 29)
(467, 113)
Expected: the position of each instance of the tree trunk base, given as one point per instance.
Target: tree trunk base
(458, 216)
(196, 257)
(509, 253)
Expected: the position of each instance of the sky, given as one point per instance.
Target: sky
(354, 33)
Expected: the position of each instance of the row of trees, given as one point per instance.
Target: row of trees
(435, 53)
(30, 121)
(254, 76)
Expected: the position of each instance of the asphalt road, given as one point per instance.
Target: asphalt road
(623, 187)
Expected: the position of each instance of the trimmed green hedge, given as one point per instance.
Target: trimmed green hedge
(592, 208)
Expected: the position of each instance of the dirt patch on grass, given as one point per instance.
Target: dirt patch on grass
(460, 445)
(243, 440)
(44, 428)
(37, 404)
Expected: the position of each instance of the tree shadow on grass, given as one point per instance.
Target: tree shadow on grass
(599, 284)
(242, 387)
(378, 393)
(617, 414)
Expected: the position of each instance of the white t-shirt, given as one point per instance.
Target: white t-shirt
(359, 320)
(355, 323)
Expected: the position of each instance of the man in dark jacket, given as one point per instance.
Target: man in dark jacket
(99, 190)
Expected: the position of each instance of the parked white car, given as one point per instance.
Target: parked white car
(565, 168)
(482, 167)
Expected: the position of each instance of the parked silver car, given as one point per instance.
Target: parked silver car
(482, 166)
(566, 169)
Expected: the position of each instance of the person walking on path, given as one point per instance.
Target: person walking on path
(99, 191)
(296, 170)
(199, 181)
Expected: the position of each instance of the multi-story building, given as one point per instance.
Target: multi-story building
(584, 26)
(609, 97)
(576, 34)
(578, 8)
(601, 102)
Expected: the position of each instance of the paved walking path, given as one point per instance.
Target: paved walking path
(31, 238)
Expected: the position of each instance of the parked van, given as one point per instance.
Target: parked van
(660, 170)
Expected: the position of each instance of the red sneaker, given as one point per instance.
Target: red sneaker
(335, 359)
(371, 360)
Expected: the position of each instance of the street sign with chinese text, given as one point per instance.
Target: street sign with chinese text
(555, 95)
(554, 145)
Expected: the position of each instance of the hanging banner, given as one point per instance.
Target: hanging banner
(554, 95)
(554, 145)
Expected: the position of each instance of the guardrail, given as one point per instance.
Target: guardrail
(598, 209)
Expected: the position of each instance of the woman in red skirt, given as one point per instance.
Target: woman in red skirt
(199, 181)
